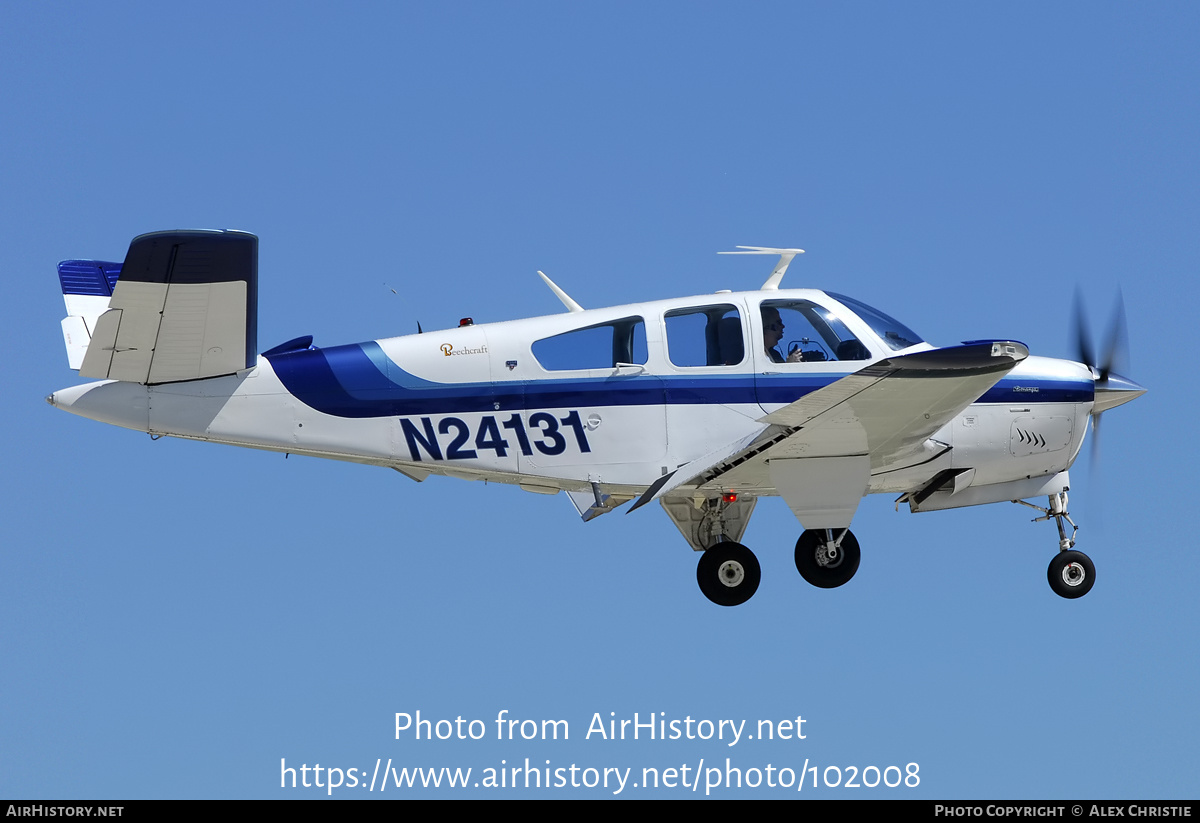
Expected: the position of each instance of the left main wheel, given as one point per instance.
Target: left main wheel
(1071, 574)
(728, 574)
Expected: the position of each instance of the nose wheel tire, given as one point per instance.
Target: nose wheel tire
(821, 567)
(728, 574)
(1071, 574)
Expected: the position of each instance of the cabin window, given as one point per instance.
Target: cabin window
(594, 347)
(800, 331)
(705, 336)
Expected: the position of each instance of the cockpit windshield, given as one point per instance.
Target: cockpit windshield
(895, 334)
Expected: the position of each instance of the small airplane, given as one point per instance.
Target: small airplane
(695, 402)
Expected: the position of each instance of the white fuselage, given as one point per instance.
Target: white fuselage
(479, 402)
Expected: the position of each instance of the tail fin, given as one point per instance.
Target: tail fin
(183, 306)
(87, 286)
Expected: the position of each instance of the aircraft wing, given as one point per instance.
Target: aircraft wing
(184, 307)
(824, 445)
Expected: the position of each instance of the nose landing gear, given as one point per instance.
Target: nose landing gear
(1071, 573)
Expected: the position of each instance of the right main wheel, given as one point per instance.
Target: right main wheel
(814, 564)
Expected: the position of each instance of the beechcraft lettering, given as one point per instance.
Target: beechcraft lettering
(449, 350)
(703, 404)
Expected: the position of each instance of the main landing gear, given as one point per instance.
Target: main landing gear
(729, 574)
(827, 558)
(1071, 573)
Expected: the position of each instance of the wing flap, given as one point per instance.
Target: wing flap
(712, 465)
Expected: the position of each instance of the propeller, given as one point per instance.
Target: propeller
(1111, 388)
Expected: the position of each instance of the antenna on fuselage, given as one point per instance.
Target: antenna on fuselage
(393, 291)
(785, 260)
(560, 294)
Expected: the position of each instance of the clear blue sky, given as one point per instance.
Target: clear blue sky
(178, 617)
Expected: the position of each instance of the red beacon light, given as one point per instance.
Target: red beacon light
(729, 497)
(466, 321)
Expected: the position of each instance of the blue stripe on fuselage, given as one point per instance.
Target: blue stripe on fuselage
(1025, 390)
(361, 381)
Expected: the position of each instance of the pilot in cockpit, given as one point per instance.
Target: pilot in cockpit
(773, 334)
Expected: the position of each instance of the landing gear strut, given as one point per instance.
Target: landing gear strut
(728, 573)
(827, 558)
(1071, 573)
(1057, 510)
